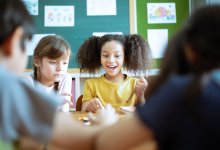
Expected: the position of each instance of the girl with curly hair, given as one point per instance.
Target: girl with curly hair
(112, 53)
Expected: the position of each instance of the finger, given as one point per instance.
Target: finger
(141, 79)
(91, 109)
(98, 103)
(94, 107)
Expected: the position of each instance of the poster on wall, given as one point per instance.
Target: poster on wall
(32, 6)
(158, 13)
(101, 7)
(158, 40)
(33, 43)
(104, 33)
(57, 16)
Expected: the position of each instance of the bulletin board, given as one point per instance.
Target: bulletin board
(84, 25)
(182, 13)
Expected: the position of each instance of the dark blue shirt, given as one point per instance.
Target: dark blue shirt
(177, 127)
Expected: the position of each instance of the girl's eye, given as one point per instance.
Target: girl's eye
(52, 62)
(105, 56)
(117, 56)
(65, 63)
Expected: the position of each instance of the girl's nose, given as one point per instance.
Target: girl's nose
(59, 66)
(111, 59)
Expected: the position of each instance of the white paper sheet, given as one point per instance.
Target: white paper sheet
(30, 46)
(32, 6)
(161, 13)
(104, 33)
(55, 16)
(158, 40)
(101, 7)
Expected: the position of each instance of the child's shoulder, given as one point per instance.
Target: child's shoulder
(28, 77)
(131, 78)
(95, 79)
(6, 77)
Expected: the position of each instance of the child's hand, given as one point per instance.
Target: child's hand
(106, 116)
(92, 106)
(66, 98)
(65, 102)
(140, 87)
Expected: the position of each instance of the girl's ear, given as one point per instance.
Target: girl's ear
(36, 62)
(7, 46)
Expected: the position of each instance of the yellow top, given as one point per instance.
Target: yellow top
(117, 94)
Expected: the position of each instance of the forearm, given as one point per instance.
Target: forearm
(27, 143)
(71, 134)
(127, 134)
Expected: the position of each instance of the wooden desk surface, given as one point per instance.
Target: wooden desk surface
(151, 145)
(83, 116)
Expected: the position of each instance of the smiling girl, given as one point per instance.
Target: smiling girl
(112, 52)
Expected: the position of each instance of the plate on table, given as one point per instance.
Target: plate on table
(127, 109)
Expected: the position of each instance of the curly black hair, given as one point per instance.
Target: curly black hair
(137, 52)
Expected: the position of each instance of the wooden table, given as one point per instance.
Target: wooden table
(144, 146)
(83, 116)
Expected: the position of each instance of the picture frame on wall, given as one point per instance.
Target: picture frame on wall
(158, 13)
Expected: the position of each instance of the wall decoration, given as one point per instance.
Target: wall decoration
(101, 7)
(158, 39)
(161, 13)
(30, 45)
(57, 16)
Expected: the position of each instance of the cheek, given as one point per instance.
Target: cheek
(46, 68)
(121, 61)
(102, 61)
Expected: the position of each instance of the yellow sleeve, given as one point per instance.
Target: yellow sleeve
(88, 91)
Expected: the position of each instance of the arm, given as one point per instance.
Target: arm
(65, 87)
(70, 133)
(67, 134)
(139, 89)
(127, 134)
(91, 103)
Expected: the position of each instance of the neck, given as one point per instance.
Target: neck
(115, 79)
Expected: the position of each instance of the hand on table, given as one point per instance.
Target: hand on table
(92, 105)
(106, 116)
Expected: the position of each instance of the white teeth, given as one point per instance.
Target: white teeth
(111, 66)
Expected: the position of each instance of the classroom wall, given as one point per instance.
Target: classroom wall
(182, 13)
(84, 25)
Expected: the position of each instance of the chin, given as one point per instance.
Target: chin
(112, 74)
(57, 79)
